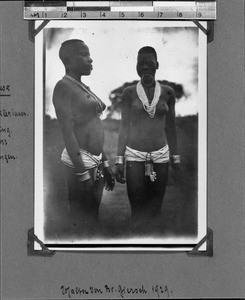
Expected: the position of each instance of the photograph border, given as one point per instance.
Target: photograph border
(202, 152)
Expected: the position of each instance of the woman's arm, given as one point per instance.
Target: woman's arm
(109, 178)
(123, 135)
(62, 102)
(170, 127)
(125, 123)
(172, 138)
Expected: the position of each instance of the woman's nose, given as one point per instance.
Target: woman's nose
(145, 66)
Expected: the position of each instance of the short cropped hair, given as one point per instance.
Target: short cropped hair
(148, 49)
(68, 48)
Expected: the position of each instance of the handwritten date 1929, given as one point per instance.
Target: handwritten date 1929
(162, 291)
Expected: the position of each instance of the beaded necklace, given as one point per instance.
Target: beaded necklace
(87, 90)
(150, 108)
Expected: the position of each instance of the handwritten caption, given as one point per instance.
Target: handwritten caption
(156, 290)
(7, 133)
(4, 87)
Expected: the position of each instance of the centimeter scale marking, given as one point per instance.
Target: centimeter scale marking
(94, 10)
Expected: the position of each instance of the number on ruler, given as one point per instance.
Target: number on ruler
(35, 15)
(160, 14)
(121, 14)
(141, 14)
(64, 15)
(179, 14)
(44, 15)
(102, 14)
(199, 14)
(83, 14)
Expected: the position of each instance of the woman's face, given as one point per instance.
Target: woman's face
(81, 62)
(146, 64)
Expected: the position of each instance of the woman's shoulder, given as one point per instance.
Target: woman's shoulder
(64, 85)
(130, 88)
(166, 88)
(129, 91)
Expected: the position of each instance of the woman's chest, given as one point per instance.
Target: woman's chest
(141, 105)
(84, 102)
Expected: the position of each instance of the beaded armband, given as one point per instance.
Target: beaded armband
(119, 160)
(175, 159)
(106, 164)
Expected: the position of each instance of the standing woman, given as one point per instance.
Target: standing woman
(78, 111)
(147, 139)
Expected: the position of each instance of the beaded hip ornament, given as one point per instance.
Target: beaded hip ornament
(149, 108)
(149, 171)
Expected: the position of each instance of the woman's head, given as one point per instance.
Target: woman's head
(76, 57)
(147, 64)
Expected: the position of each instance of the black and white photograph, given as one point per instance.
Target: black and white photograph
(121, 135)
(122, 149)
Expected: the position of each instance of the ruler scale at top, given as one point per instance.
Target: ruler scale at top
(120, 10)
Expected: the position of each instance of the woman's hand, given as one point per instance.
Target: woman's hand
(120, 173)
(178, 175)
(109, 179)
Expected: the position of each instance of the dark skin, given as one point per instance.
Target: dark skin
(76, 112)
(138, 130)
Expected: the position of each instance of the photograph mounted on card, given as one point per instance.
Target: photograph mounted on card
(121, 135)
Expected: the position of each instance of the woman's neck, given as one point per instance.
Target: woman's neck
(148, 86)
(74, 76)
(148, 81)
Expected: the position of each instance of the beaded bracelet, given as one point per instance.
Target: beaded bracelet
(83, 176)
(175, 159)
(106, 164)
(119, 160)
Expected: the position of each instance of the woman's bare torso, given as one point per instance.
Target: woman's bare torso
(88, 127)
(146, 133)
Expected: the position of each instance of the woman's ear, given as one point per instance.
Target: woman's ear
(66, 60)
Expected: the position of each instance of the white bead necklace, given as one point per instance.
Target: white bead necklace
(150, 108)
(82, 86)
